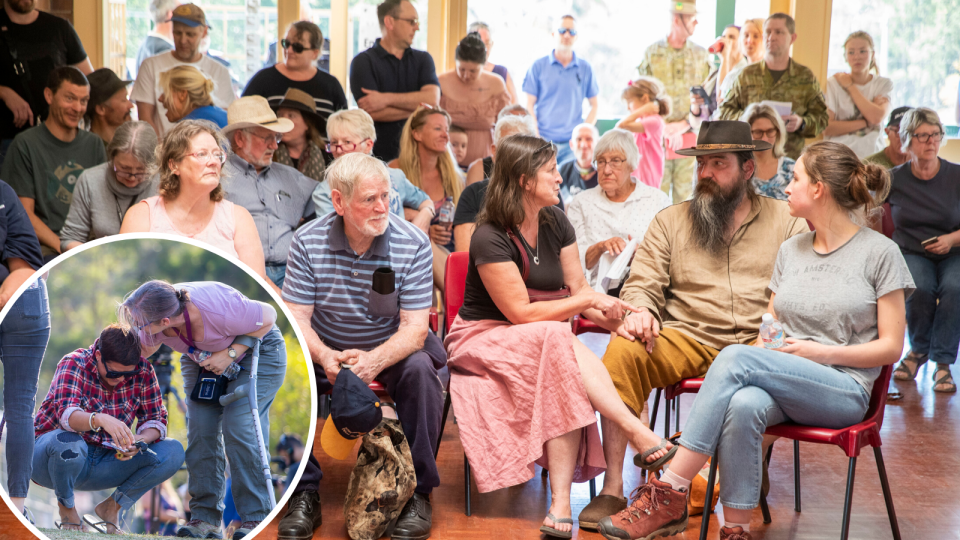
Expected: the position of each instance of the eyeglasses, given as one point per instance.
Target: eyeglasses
(205, 157)
(562, 31)
(615, 163)
(924, 137)
(346, 147)
(297, 47)
(761, 133)
(412, 22)
(275, 137)
(124, 175)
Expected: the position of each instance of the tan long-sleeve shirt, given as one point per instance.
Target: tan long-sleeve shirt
(716, 299)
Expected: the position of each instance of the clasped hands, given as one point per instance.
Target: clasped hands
(364, 364)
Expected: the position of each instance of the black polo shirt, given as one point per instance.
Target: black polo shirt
(377, 69)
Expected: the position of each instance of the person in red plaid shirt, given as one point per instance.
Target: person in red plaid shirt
(84, 430)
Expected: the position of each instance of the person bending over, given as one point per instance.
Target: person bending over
(84, 436)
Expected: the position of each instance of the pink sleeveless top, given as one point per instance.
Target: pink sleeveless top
(218, 233)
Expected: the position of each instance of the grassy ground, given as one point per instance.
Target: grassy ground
(57, 534)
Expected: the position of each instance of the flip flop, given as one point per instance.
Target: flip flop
(550, 531)
(640, 460)
(100, 525)
(60, 525)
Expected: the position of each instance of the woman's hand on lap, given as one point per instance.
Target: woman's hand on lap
(942, 246)
(811, 350)
(440, 235)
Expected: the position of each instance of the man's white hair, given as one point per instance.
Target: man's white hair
(512, 125)
(159, 9)
(591, 127)
(346, 172)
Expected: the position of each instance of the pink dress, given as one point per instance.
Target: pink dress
(219, 233)
(650, 144)
(478, 120)
(515, 387)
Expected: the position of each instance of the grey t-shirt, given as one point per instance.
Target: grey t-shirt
(832, 298)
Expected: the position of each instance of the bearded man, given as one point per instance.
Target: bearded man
(700, 280)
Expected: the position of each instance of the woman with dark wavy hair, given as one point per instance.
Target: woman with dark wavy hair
(525, 389)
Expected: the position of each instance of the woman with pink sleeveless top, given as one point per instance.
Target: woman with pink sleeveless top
(191, 202)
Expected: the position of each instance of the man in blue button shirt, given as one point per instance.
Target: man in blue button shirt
(556, 86)
(390, 79)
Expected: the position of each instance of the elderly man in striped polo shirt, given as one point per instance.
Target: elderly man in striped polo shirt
(360, 284)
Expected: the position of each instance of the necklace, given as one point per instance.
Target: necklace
(536, 257)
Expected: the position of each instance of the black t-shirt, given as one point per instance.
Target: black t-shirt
(923, 209)
(42, 46)
(777, 75)
(471, 201)
(573, 183)
(325, 89)
(491, 244)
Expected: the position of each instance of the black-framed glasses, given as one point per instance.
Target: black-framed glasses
(297, 47)
(562, 31)
(345, 147)
(411, 22)
(266, 139)
(924, 137)
(124, 175)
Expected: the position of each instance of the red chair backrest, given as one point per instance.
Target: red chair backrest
(878, 396)
(454, 284)
(886, 221)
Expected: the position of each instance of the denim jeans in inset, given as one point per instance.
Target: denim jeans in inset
(934, 328)
(749, 388)
(276, 274)
(23, 340)
(64, 462)
(215, 432)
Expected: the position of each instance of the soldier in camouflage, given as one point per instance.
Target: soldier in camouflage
(778, 78)
(679, 64)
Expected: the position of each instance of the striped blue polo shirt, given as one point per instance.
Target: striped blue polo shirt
(323, 271)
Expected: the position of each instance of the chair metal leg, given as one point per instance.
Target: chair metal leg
(466, 483)
(764, 508)
(593, 488)
(887, 496)
(666, 418)
(676, 412)
(796, 475)
(443, 423)
(656, 406)
(707, 507)
(325, 406)
(848, 499)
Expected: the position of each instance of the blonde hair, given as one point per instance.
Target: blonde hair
(176, 143)
(653, 89)
(860, 34)
(410, 154)
(190, 80)
(353, 121)
(755, 111)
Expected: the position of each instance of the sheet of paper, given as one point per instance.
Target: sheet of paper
(612, 270)
(783, 108)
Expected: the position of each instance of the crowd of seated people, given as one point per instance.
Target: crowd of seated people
(314, 196)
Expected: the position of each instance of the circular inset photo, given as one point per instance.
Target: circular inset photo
(150, 386)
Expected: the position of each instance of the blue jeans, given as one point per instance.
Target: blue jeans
(747, 389)
(276, 274)
(215, 434)
(64, 462)
(934, 328)
(23, 340)
(564, 152)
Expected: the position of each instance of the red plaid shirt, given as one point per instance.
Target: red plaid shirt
(76, 387)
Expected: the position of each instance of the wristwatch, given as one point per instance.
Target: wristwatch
(232, 353)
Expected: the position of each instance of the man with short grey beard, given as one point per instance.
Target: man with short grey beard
(700, 280)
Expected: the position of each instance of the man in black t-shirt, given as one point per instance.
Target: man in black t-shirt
(579, 174)
(391, 79)
(32, 44)
(465, 218)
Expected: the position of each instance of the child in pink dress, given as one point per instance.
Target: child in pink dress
(648, 104)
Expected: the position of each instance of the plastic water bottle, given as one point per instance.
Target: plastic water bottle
(771, 332)
(447, 209)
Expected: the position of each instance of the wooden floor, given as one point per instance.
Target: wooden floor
(920, 440)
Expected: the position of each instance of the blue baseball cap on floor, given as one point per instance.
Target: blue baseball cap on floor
(354, 411)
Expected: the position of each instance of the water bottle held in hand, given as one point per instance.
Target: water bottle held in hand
(771, 332)
(447, 209)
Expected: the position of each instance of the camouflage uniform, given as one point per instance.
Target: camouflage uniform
(798, 86)
(678, 70)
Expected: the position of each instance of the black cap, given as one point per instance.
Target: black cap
(354, 411)
(896, 115)
(104, 83)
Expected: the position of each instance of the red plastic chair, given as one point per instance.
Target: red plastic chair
(850, 439)
(886, 221)
(671, 394)
(454, 285)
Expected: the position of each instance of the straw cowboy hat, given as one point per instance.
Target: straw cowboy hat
(724, 136)
(683, 7)
(254, 111)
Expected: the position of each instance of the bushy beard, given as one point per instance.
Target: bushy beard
(711, 213)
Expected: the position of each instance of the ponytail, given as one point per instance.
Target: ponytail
(855, 186)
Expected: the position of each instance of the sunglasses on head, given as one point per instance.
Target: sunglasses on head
(562, 31)
(297, 47)
(110, 374)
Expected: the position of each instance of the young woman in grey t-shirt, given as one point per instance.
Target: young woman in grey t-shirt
(839, 293)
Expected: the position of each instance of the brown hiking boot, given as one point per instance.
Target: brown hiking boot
(736, 533)
(656, 510)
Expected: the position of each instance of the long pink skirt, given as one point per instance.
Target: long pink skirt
(514, 388)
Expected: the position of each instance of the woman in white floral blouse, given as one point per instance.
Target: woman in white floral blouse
(774, 168)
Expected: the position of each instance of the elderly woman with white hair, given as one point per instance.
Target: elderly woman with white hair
(351, 131)
(104, 193)
(774, 168)
(925, 206)
(620, 208)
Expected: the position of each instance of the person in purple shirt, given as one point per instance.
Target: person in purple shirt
(210, 316)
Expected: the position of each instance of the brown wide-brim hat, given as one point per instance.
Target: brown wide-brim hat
(302, 102)
(254, 111)
(723, 136)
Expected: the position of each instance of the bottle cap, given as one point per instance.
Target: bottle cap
(767, 318)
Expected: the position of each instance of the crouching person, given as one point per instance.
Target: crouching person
(84, 436)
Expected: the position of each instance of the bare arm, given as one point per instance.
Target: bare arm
(148, 113)
(137, 219)
(874, 111)
(475, 172)
(246, 241)
(20, 272)
(320, 354)
(375, 102)
(532, 107)
(46, 236)
(462, 234)
(390, 114)
(512, 89)
(594, 108)
(85, 66)
(842, 127)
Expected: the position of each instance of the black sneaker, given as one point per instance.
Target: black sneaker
(414, 520)
(302, 517)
